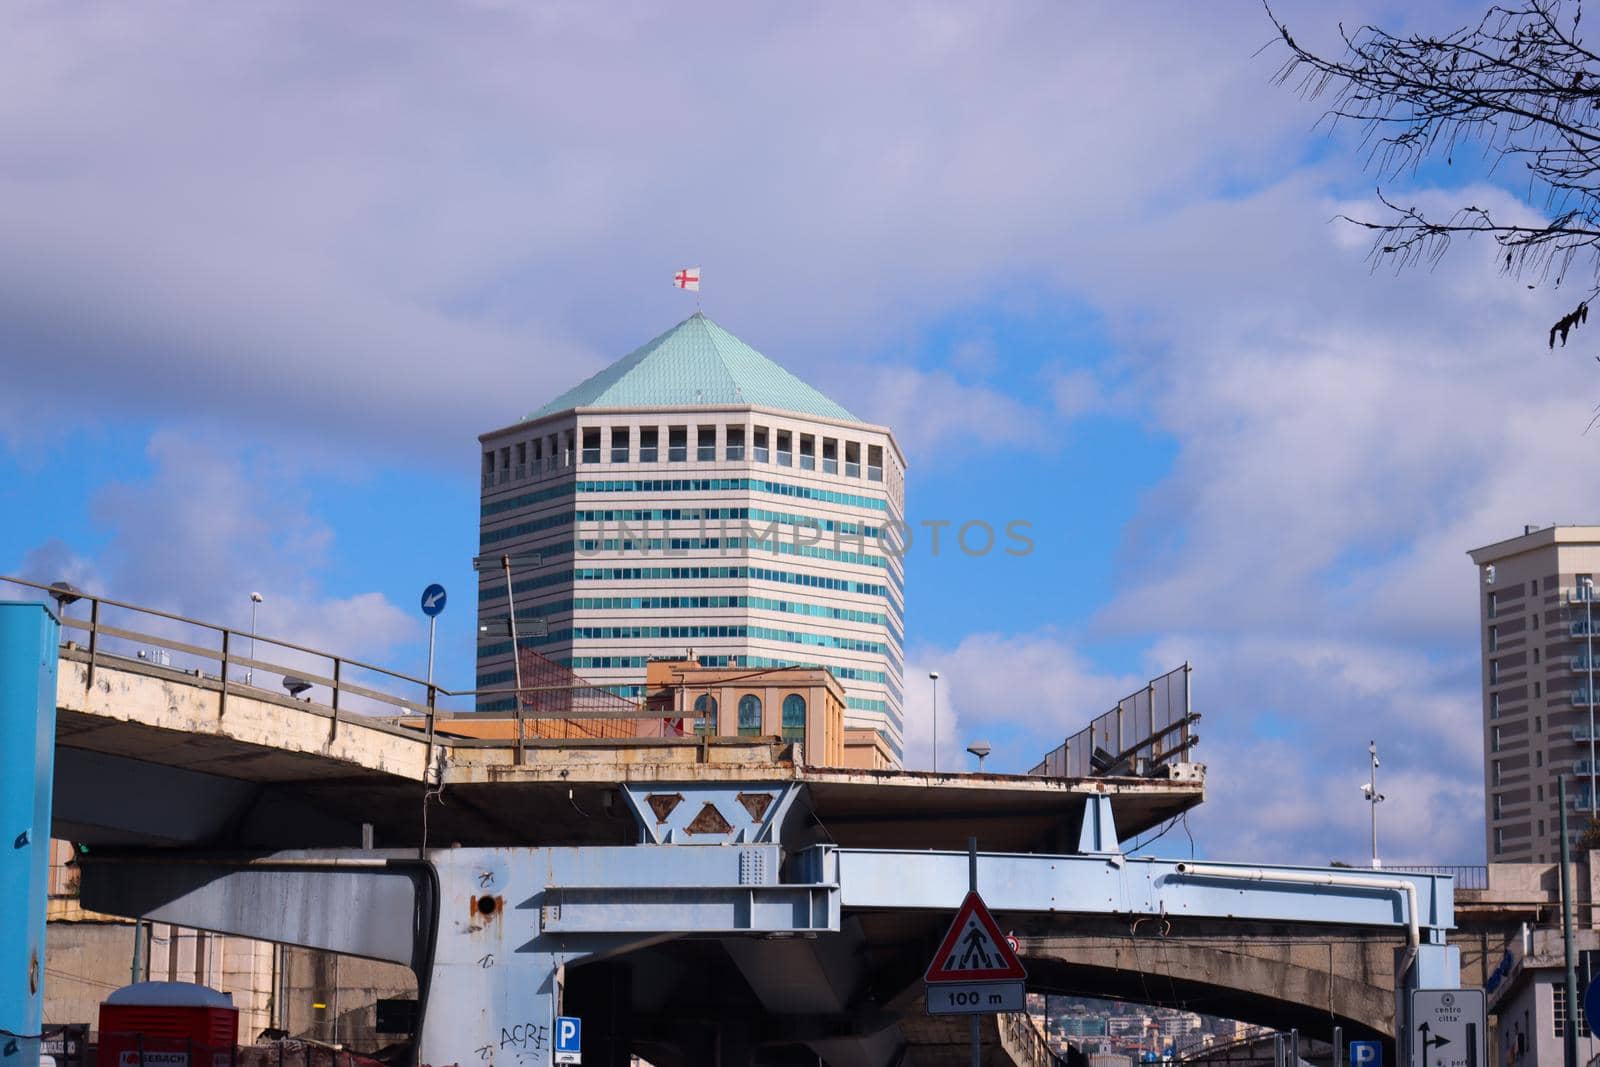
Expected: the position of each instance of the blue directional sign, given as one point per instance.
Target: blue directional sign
(1366, 1054)
(569, 1039)
(1591, 1005)
(433, 600)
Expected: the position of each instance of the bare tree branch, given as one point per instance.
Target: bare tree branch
(1521, 85)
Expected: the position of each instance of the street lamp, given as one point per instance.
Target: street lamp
(979, 749)
(1370, 791)
(934, 677)
(250, 674)
(505, 560)
(1586, 586)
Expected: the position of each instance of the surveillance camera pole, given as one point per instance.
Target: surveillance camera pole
(1373, 798)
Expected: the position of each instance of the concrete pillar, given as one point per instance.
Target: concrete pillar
(28, 635)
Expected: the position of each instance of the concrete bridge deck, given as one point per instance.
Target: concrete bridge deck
(148, 755)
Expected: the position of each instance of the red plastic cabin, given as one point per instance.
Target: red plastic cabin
(168, 1024)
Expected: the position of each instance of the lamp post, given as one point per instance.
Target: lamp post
(505, 560)
(250, 673)
(1374, 798)
(934, 677)
(1586, 585)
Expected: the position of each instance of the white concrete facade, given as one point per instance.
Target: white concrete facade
(753, 536)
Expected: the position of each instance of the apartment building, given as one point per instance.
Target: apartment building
(1537, 611)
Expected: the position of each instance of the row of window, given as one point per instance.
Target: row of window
(669, 603)
(591, 546)
(622, 517)
(690, 573)
(785, 448)
(793, 722)
(490, 679)
(712, 631)
(686, 485)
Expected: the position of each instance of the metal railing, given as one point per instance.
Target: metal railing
(1147, 729)
(124, 635)
(1468, 876)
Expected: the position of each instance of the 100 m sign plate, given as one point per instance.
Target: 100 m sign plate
(975, 998)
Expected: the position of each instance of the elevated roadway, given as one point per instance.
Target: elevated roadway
(790, 924)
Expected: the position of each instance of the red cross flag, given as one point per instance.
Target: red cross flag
(687, 278)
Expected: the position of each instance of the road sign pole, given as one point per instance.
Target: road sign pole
(972, 886)
(433, 626)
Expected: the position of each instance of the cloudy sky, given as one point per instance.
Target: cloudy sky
(268, 271)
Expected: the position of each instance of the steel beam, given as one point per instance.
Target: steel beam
(360, 906)
(1116, 885)
(491, 931)
(28, 635)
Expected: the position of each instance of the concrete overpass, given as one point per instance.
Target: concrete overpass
(228, 807)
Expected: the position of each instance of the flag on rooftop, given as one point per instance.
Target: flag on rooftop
(687, 278)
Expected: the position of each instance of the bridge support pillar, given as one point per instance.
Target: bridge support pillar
(28, 634)
(1431, 965)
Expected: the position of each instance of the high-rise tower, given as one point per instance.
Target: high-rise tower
(695, 495)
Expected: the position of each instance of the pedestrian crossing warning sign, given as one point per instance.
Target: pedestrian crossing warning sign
(974, 950)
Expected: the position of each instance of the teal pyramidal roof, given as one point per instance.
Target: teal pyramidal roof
(695, 363)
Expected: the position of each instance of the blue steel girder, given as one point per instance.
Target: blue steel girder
(493, 929)
(714, 813)
(1117, 885)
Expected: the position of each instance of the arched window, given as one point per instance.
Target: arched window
(705, 710)
(749, 715)
(794, 717)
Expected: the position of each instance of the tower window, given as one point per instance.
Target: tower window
(735, 445)
(852, 459)
(830, 456)
(874, 463)
(591, 444)
(649, 444)
(808, 452)
(785, 448)
(706, 444)
(619, 444)
(761, 452)
(677, 444)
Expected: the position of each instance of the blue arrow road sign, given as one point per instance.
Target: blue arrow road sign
(433, 600)
(1366, 1054)
(569, 1039)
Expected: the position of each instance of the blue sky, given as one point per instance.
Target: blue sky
(272, 268)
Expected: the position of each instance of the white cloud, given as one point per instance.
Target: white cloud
(392, 233)
(210, 525)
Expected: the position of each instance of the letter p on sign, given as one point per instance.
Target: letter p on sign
(569, 1039)
(1366, 1054)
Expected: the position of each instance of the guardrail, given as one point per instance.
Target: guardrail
(116, 631)
(1467, 876)
(1147, 729)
